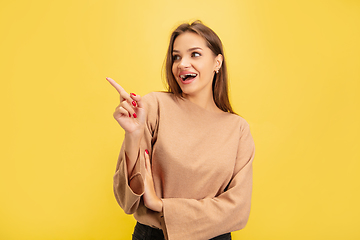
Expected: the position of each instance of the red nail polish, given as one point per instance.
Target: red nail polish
(133, 94)
(129, 115)
(147, 152)
(134, 103)
(134, 115)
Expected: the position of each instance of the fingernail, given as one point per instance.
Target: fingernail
(107, 78)
(134, 103)
(147, 152)
(133, 94)
(134, 115)
(129, 115)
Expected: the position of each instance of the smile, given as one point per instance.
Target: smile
(188, 77)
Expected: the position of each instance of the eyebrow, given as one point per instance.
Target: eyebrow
(190, 49)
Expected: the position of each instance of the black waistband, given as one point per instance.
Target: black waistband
(142, 231)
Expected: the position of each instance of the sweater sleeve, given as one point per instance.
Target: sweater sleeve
(124, 191)
(210, 217)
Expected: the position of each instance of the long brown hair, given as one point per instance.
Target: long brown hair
(220, 81)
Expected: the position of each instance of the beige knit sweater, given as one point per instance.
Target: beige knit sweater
(202, 170)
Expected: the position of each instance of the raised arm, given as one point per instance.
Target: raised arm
(131, 115)
(138, 117)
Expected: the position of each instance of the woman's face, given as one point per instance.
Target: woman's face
(194, 64)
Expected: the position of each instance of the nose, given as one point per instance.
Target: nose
(184, 63)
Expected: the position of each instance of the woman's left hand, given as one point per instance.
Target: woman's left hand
(151, 200)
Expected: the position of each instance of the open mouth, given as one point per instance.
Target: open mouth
(188, 77)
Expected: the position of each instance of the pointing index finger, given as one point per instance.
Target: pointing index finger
(120, 89)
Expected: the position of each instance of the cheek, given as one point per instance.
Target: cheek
(209, 67)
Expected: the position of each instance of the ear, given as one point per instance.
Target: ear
(219, 60)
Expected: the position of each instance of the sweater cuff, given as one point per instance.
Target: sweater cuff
(136, 184)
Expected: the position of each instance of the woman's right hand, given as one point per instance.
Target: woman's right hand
(130, 113)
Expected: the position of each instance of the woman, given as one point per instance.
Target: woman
(185, 166)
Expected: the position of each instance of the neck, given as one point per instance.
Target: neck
(205, 101)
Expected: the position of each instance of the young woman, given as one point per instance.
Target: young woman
(185, 166)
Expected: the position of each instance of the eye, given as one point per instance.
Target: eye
(195, 54)
(176, 57)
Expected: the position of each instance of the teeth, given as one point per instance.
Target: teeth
(188, 75)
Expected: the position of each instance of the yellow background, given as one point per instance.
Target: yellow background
(295, 77)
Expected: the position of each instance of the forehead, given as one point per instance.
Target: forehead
(189, 40)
